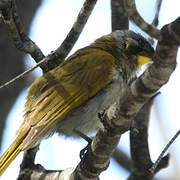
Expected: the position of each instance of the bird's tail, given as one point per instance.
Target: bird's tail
(10, 154)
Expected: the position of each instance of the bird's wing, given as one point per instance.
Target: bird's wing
(62, 89)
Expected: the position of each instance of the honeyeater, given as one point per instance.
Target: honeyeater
(68, 98)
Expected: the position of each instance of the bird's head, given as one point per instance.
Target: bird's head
(134, 46)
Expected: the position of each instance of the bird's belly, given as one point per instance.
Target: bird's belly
(85, 118)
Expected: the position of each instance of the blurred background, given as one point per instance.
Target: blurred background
(50, 25)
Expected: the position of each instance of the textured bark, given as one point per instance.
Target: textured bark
(119, 19)
(134, 15)
(117, 119)
(141, 159)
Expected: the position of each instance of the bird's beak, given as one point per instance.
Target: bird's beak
(143, 60)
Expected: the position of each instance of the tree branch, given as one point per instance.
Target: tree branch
(25, 44)
(122, 159)
(139, 144)
(133, 14)
(118, 117)
(155, 21)
(20, 76)
(12, 61)
(159, 72)
(21, 40)
(155, 166)
(68, 43)
(119, 18)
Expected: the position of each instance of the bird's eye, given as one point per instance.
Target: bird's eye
(140, 43)
(125, 45)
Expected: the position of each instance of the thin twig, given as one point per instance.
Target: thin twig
(25, 44)
(63, 50)
(83, 136)
(49, 62)
(133, 14)
(24, 73)
(68, 43)
(55, 58)
(21, 40)
(155, 21)
(154, 166)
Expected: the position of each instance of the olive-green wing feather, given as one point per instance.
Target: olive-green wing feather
(56, 93)
(62, 89)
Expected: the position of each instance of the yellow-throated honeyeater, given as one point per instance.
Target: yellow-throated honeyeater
(69, 97)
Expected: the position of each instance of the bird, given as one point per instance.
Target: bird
(67, 99)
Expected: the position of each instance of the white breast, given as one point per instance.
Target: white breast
(85, 118)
